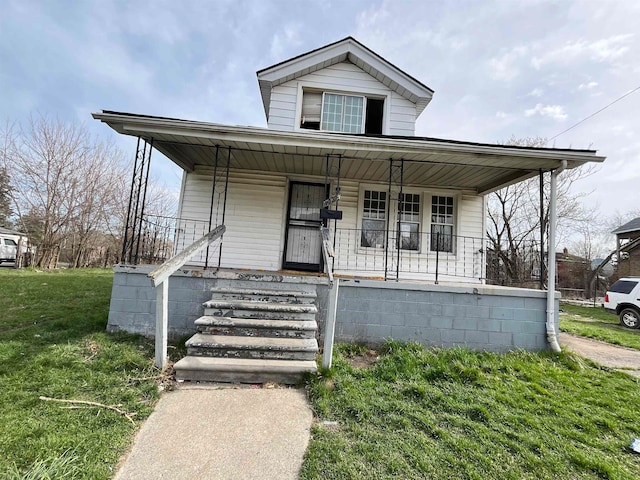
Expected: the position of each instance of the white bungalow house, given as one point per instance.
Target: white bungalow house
(403, 218)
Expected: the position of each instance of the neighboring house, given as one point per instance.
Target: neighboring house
(627, 251)
(572, 271)
(340, 151)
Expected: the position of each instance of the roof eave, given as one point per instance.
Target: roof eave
(129, 124)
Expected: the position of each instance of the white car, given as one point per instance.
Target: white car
(8, 249)
(623, 299)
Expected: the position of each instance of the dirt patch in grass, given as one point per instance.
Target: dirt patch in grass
(364, 359)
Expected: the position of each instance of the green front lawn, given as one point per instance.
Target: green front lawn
(53, 344)
(596, 323)
(444, 414)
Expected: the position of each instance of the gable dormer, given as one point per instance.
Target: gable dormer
(342, 87)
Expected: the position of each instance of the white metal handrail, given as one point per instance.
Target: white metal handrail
(327, 253)
(160, 280)
(332, 306)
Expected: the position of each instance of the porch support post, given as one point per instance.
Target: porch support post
(335, 222)
(551, 267)
(147, 160)
(330, 325)
(224, 203)
(162, 323)
(213, 194)
(135, 210)
(542, 269)
(386, 243)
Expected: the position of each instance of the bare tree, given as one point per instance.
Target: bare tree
(516, 220)
(70, 192)
(45, 163)
(61, 177)
(99, 194)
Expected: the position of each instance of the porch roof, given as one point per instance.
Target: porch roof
(429, 162)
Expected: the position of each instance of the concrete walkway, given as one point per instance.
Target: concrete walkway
(624, 359)
(222, 433)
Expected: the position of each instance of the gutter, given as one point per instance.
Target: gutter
(552, 337)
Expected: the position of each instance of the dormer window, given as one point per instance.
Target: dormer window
(342, 113)
(334, 112)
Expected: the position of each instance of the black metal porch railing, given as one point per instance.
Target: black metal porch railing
(417, 255)
(162, 237)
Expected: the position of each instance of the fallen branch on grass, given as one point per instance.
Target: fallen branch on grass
(113, 408)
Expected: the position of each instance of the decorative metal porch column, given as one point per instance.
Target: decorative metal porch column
(396, 184)
(330, 206)
(137, 200)
(218, 207)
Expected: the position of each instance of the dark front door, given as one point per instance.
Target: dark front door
(303, 248)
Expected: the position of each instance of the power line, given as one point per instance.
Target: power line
(595, 113)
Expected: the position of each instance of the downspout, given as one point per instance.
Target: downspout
(552, 338)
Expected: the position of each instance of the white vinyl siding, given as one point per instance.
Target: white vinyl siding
(470, 216)
(254, 216)
(341, 78)
(282, 109)
(256, 213)
(402, 119)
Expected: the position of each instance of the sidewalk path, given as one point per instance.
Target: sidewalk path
(222, 433)
(612, 356)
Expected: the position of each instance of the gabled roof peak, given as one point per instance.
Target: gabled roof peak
(347, 49)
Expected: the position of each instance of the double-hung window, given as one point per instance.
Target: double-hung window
(442, 221)
(342, 113)
(374, 219)
(409, 221)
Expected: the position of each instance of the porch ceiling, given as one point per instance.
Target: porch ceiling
(428, 162)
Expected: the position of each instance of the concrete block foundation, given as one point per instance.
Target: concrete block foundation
(480, 317)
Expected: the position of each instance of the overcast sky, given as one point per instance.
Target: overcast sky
(498, 68)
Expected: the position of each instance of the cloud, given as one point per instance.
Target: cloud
(603, 50)
(504, 67)
(536, 92)
(587, 86)
(290, 35)
(556, 112)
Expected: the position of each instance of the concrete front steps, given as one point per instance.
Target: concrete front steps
(250, 334)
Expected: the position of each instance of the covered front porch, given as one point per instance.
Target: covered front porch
(326, 236)
(394, 207)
